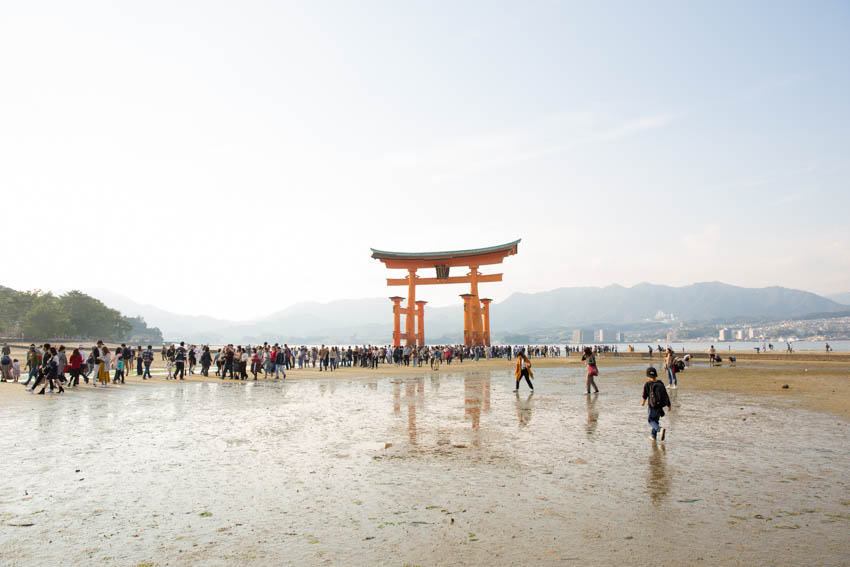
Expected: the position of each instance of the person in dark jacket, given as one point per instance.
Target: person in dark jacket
(180, 361)
(49, 371)
(655, 394)
(280, 364)
(206, 361)
(147, 359)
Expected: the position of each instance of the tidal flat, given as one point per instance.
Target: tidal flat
(430, 468)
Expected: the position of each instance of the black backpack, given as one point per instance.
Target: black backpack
(658, 396)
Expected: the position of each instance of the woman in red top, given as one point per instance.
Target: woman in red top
(76, 366)
(256, 362)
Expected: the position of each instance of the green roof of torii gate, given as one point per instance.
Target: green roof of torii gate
(507, 248)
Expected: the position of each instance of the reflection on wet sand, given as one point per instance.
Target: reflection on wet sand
(658, 478)
(523, 409)
(592, 414)
(412, 399)
(342, 473)
(476, 390)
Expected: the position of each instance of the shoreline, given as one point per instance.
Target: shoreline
(818, 383)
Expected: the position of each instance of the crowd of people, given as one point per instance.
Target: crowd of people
(51, 366)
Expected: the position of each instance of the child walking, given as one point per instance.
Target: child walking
(655, 392)
(119, 371)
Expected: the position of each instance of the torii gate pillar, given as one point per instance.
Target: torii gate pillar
(397, 319)
(420, 320)
(467, 318)
(485, 307)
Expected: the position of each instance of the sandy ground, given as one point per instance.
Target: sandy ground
(822, 384)
(411, 467)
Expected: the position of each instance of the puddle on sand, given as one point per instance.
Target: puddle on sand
(437, 469)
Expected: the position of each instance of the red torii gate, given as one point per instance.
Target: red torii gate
(476, 311)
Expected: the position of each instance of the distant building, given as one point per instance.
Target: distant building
(581, 336)
(601, 336)
(724, 335)
(671, 336)
(739, 335)
(620, 337)
(751, 333)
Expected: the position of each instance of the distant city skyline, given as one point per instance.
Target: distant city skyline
(220, 160)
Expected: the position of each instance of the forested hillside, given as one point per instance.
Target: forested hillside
(33, 315)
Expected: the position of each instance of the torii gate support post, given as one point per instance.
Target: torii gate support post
(485, 307)
(420, 322)
(467, 318)
(396, 319)
(410, 320)
(477, 326)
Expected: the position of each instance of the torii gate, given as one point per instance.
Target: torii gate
(476, 311)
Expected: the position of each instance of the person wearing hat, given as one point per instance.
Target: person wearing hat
(523, 370)
(656, 394)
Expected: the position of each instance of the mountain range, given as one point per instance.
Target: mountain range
(840, 297)
(370, 320)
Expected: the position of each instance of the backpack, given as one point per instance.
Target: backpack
(127, 353)
(5, 361)
(680, 366)
(657, 396)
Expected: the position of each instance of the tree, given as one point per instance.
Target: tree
(90, 317)
(46, 320)
(14, 305)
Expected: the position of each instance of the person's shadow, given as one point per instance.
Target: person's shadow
(523, 409)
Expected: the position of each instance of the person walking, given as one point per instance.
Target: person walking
(243, 363)
(127, 356)
(227, 366)
(106, 356)
(523, 370)
(119, 370)
(61, 364)
(32, 364)
(147, 360)
(256, 362)
(169, 362)
(655, 393)
(592, 370)
(193, 360)
(206, 361)
(6, 368)
(76, 367)
(180, 361)
(280, 364)
(139, 360)
(50, 372)
(670, 367)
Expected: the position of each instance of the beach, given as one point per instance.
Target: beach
(405, 466)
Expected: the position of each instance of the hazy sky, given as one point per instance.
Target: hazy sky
(233, 158)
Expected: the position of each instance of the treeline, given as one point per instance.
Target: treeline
(37, 315)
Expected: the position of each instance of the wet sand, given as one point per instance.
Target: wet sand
(429, 468)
